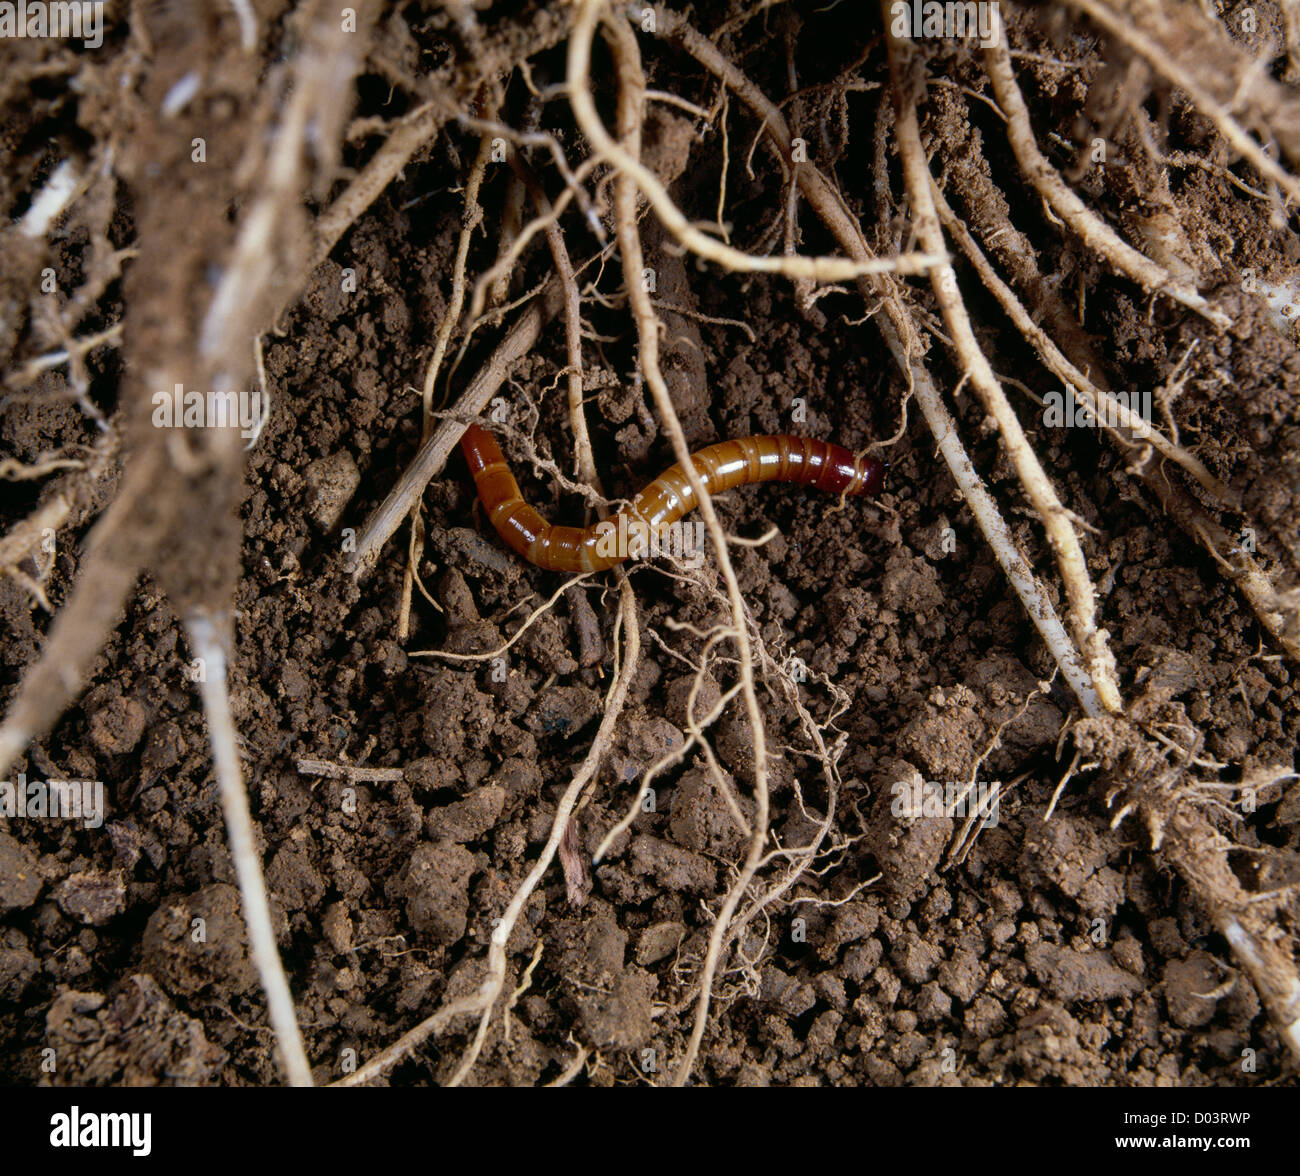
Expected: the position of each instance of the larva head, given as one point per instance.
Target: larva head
(837, 471)
(870, 476)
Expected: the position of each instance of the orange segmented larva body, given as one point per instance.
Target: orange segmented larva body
(781, 458)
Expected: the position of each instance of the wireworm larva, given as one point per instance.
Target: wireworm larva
(780, 458)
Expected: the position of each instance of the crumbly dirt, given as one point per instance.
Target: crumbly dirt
(1057, 951)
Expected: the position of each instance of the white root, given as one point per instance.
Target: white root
(208, 647)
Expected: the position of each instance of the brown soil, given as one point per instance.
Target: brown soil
(1058, 951)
